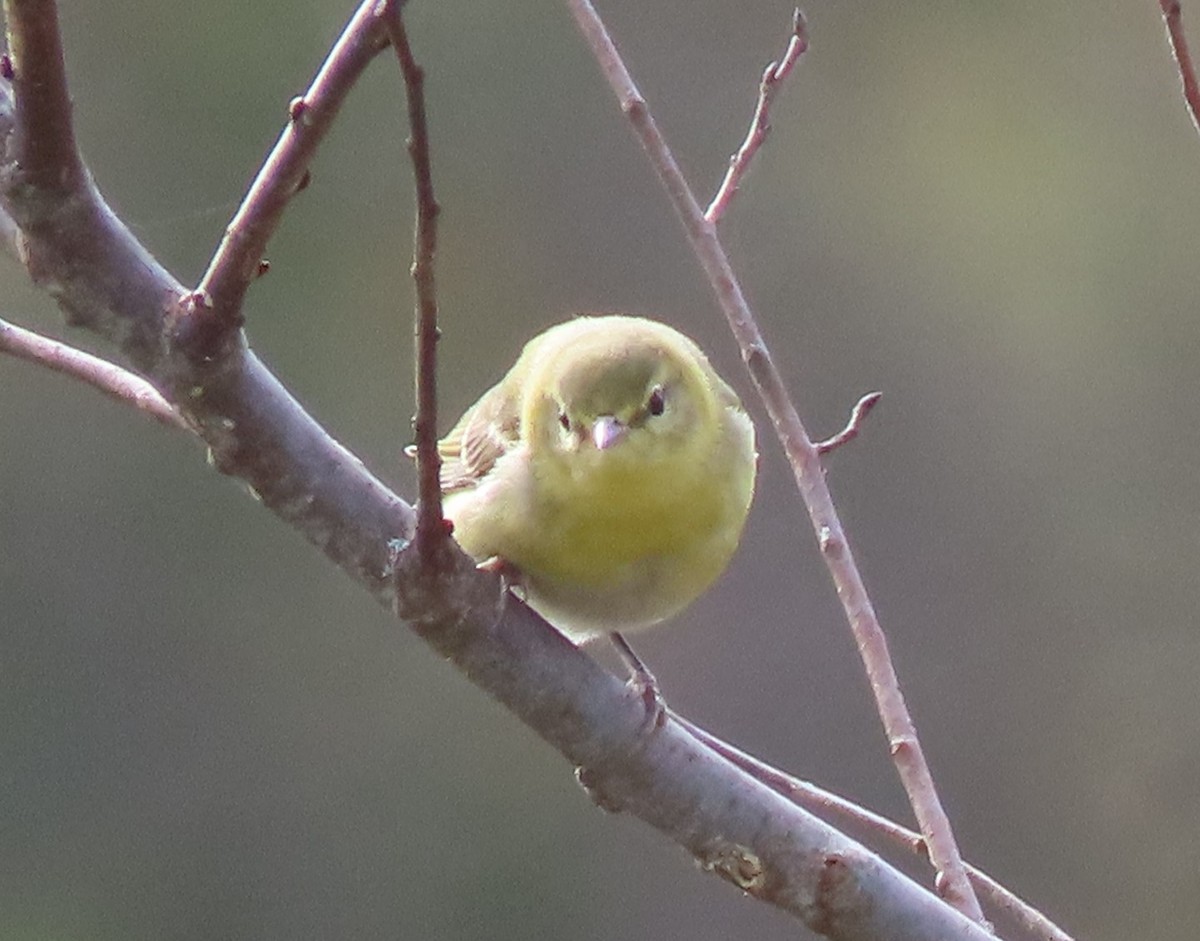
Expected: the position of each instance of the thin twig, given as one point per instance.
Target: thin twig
(817, 799)
(431, 531)
(951, 881)
(109, 378)
(760, 125)
(285, 172)
(45, 134)
(1173, 20)
(862, 408)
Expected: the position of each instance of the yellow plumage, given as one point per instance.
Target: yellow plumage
(611, 467)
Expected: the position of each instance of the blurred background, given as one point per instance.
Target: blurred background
(988, 211)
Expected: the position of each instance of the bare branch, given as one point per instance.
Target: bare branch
(432, 534)
(760, 125)
(821, 801)
(285, 172)
(1173, 20)
(258, 433)
(862, 408)
(906, 751)
(109, 378)
(44, 131)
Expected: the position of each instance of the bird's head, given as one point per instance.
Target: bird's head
(622, 399)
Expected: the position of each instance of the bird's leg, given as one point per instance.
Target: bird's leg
(642, 682)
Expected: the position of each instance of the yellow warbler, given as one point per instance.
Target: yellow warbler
(611, 468)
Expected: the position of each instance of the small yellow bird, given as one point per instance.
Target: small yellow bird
(611, 468)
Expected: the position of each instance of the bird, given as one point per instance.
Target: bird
(609, 474)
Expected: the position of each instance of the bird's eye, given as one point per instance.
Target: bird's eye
(657, 401)
(565, 421)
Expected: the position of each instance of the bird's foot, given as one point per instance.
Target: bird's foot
(642, 682)
(511, 577)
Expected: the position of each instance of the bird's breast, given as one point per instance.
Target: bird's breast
(613, 520)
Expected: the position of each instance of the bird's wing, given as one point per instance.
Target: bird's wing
(487, 430)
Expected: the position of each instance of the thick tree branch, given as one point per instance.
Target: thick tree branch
(826, 804)
(45, 135)
(804, 457)
(732, 823)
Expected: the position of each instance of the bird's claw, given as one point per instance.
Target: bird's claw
(643, 685)
(511, 577)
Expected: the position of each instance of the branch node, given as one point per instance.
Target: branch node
(831, 545)
(902, 745)
(298, 111)
(199, 331)
(590, 781)
(735, 863)
(755, 356)
(196, 302)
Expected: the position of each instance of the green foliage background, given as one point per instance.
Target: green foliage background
(988, 211)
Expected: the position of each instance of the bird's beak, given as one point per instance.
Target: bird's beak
(607, 431)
